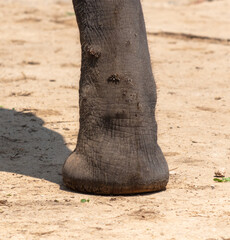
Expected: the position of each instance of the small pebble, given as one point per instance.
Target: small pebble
(220, 172)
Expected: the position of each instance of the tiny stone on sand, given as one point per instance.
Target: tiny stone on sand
(220, 172)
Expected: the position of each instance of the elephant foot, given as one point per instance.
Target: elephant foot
(86, 176)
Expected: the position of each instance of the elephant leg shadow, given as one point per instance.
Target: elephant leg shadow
(28, 148)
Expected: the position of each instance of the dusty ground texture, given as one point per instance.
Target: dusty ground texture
(39, 74)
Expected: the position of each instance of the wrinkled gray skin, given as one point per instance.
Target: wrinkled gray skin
(117, 150)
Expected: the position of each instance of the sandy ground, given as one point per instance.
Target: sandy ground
(39, 74)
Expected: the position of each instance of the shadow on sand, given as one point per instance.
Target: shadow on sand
(28, 148)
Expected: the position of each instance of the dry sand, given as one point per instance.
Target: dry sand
(39, 74)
